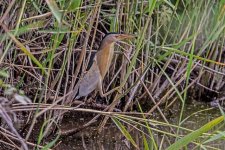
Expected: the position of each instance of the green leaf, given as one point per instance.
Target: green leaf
(194, 135)
(124, 131)
(4, 74)
(27, 52)
(40, 137)
(195, 56)
(216, 137)
(74, 4)
(151, 5)
(51, 144)
(25, 29)
(54, 9)
(146, 147)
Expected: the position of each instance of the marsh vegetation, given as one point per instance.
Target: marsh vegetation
(175, 60)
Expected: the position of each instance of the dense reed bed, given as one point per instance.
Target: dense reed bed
(46, 46)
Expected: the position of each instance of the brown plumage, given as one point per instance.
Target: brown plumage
(93, 78)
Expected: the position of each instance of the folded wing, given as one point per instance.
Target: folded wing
(89, 82)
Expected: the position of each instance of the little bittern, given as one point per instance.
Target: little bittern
(93, 78)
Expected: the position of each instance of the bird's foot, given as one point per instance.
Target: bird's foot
(90, 101)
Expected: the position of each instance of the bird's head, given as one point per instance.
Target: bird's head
(114, 37)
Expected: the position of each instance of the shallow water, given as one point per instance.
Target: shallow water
(112, 139)
(109, 139)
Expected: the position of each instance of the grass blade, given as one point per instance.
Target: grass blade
(194, 135)
(124, 131)
(55, 10)
(24, 49)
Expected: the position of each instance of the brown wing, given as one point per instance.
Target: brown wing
(89, 82)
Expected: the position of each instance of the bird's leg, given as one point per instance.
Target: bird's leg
(93, 101)
(107, 93)
(88, 100)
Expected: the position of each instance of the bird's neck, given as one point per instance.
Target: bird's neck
(106, 45)
(104, 58)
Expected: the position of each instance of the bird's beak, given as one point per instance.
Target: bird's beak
(125, 36)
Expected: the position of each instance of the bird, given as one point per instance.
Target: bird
(94, 77)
